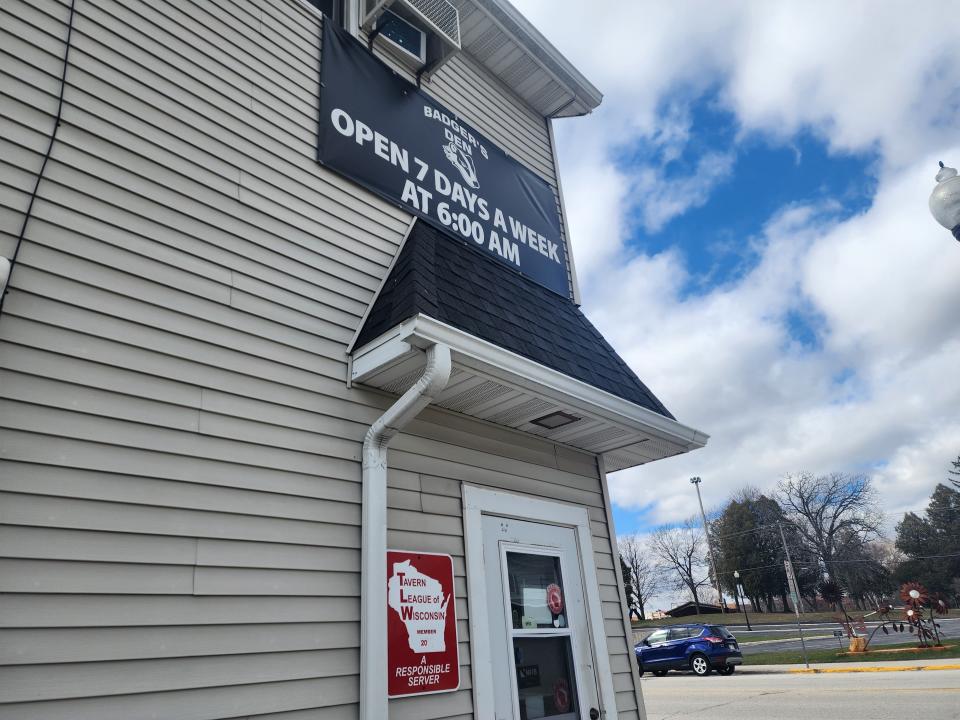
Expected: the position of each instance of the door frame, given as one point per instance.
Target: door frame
(579, 641)
(478, 502)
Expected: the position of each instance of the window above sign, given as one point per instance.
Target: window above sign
(421, 34)
(406, 36)
(331, 8)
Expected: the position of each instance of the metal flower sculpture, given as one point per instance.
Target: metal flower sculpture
(916, 599)
(914, 595)
(939, 604)
(832, 593)
(887, 623)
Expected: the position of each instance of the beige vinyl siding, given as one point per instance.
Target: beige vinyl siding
(179, 452)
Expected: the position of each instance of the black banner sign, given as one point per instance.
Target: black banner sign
(384, 133)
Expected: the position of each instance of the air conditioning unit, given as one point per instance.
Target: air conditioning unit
(394, 25)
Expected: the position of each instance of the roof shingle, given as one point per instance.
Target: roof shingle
(446, 279)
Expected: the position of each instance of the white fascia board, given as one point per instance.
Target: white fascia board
(382, 352)
(484, 357)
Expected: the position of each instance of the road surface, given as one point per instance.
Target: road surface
(930, 695)
(950, 632)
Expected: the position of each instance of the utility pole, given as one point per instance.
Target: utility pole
(794, 591)
(797, 601)
(713, 562)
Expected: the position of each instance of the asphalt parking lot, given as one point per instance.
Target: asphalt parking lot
(754, 695)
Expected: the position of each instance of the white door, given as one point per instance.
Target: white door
(539, 635)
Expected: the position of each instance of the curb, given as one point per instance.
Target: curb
(862, 669)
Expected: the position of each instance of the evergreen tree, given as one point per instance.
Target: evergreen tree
(955, 472)
(747, 540)
(932, 543)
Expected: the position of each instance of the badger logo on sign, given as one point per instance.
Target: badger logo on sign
(462, 161)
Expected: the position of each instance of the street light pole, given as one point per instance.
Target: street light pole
(741, 597)
(713, 562)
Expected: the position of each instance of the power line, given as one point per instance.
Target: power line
(843, 562)
(28, 213)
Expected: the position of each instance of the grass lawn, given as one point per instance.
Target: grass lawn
(789, 657)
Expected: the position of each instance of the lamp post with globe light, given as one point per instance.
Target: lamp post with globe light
(945, 200)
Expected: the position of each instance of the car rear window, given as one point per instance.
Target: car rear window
(719, 631)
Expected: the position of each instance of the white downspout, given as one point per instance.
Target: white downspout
(373, 553)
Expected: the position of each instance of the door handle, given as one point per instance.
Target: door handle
(594, 714)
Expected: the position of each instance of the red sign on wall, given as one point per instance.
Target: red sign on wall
(422, 654)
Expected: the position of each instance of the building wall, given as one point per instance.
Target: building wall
(179, 452)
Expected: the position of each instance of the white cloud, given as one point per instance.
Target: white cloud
(723, 361)
(661, 198)
(880, 392)
(859, 73)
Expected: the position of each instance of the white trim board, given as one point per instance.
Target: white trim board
(624, 610)
(478, 502)
(421, 331)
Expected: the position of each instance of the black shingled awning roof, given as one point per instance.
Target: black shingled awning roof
(445, 278)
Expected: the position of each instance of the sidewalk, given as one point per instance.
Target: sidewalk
(855, 667)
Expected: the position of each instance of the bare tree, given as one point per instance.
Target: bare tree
(645, 575)
(682, 550)
(827, 511)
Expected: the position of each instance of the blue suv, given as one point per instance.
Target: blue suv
(701, 648)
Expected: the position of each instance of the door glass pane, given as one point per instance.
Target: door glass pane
(536, 591)
(545, 683)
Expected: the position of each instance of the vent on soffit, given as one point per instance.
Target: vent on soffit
(555, 420)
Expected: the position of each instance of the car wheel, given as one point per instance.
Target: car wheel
(700, 665)
(659, 673)
(727, 669)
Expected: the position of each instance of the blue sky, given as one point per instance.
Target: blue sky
(718, 239)
(767, 174)
(748, 214)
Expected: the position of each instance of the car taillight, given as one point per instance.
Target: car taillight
(714, 639)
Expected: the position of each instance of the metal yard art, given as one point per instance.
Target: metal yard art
(919, 610)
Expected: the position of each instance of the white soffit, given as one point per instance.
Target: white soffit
(495, 385)
(502, 40)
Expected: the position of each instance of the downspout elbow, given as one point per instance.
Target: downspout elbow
(436, 375)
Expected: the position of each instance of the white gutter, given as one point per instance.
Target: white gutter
(373, 553)
(421, 331)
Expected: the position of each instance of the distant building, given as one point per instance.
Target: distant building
(688, 608)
